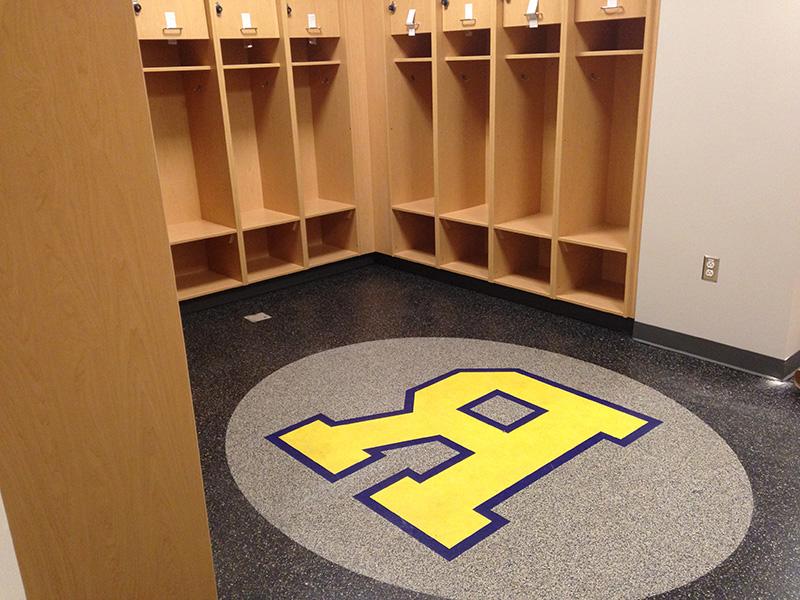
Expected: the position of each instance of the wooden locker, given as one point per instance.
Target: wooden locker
(326, 16)
(599, 10)
(454, 16)
(422, 18)
(190, 20)
(245, 18)
(515, 12)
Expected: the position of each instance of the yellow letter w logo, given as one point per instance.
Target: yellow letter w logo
(448, 508)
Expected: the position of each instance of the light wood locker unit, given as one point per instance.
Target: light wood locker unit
(522, 262)
(207, 266)
(245, 19)
(331, 237)
(154, 19)
(313, 18)
(601, 10)
(401, 22)
(527, 87)
(273, 251)
(602, 113)
(322, 107)
(591, 277)
(262, 139)
(465, 249)
(458, 15)
(186, 114)
(516, 13)
(414, 237)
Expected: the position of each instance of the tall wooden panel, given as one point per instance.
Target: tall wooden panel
(99, 464)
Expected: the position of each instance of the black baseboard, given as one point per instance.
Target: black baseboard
(737, 358)
(566, 309)
(558, 307)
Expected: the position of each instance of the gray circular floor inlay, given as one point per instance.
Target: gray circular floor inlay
(614, 521)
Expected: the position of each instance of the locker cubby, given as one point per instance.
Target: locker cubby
(331, 238)
(411, 137)
(522, 262)
(525, 148)
(186, 114)
(171, 54)
(465, 249)
(612, 35)
(591, 277)
(595, 203)
(315, 50)
(418, 46)
(263, 151)
(545, 39)
(463, 135)
(250, 52)
(206, 266)
(414, 237)
(326, 153)
(466, 43)
(273, 251)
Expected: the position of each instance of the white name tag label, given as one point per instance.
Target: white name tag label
(170, 20)
(247, 22)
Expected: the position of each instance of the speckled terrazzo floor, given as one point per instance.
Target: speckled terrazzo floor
(228, 356)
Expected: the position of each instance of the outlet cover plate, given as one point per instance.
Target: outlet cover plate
(710, 269)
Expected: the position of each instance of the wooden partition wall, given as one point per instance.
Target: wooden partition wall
(514, 140)
(99, 466)
(252, 105)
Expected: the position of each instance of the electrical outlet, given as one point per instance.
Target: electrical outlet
(710, 269)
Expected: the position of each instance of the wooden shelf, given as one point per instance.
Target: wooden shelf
(176, 69)
(598, 53)
(537, 282)
(479, 271)
(201, 283)
(419, 207)
(533, 56)
(474, 215)
(539, 225)
(191, 231)
(424, 59)
(267, 267)
(321, 254)
(601, 295)
(319, 206)
(481, 57)
(272, 65)
(265, 217)
(607, 237)
(417, 256)
(316, 63)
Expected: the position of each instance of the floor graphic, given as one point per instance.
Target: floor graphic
(389, 449)
(449, 507)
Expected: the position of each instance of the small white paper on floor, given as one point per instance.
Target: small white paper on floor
(258, 317)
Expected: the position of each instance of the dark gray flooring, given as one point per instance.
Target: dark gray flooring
(228, 356)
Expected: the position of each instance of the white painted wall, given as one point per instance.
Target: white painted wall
(724, 175)
(10, 581)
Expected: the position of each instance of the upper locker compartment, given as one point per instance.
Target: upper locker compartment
(405, 22)
(170, 19)
(464, 16)
(602, 10)
(531, 13)
(241, 19)
(313, 18)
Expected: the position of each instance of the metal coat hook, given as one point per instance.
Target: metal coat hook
(446, 3)
(218, 9)
(137, 7)
(393, 7)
